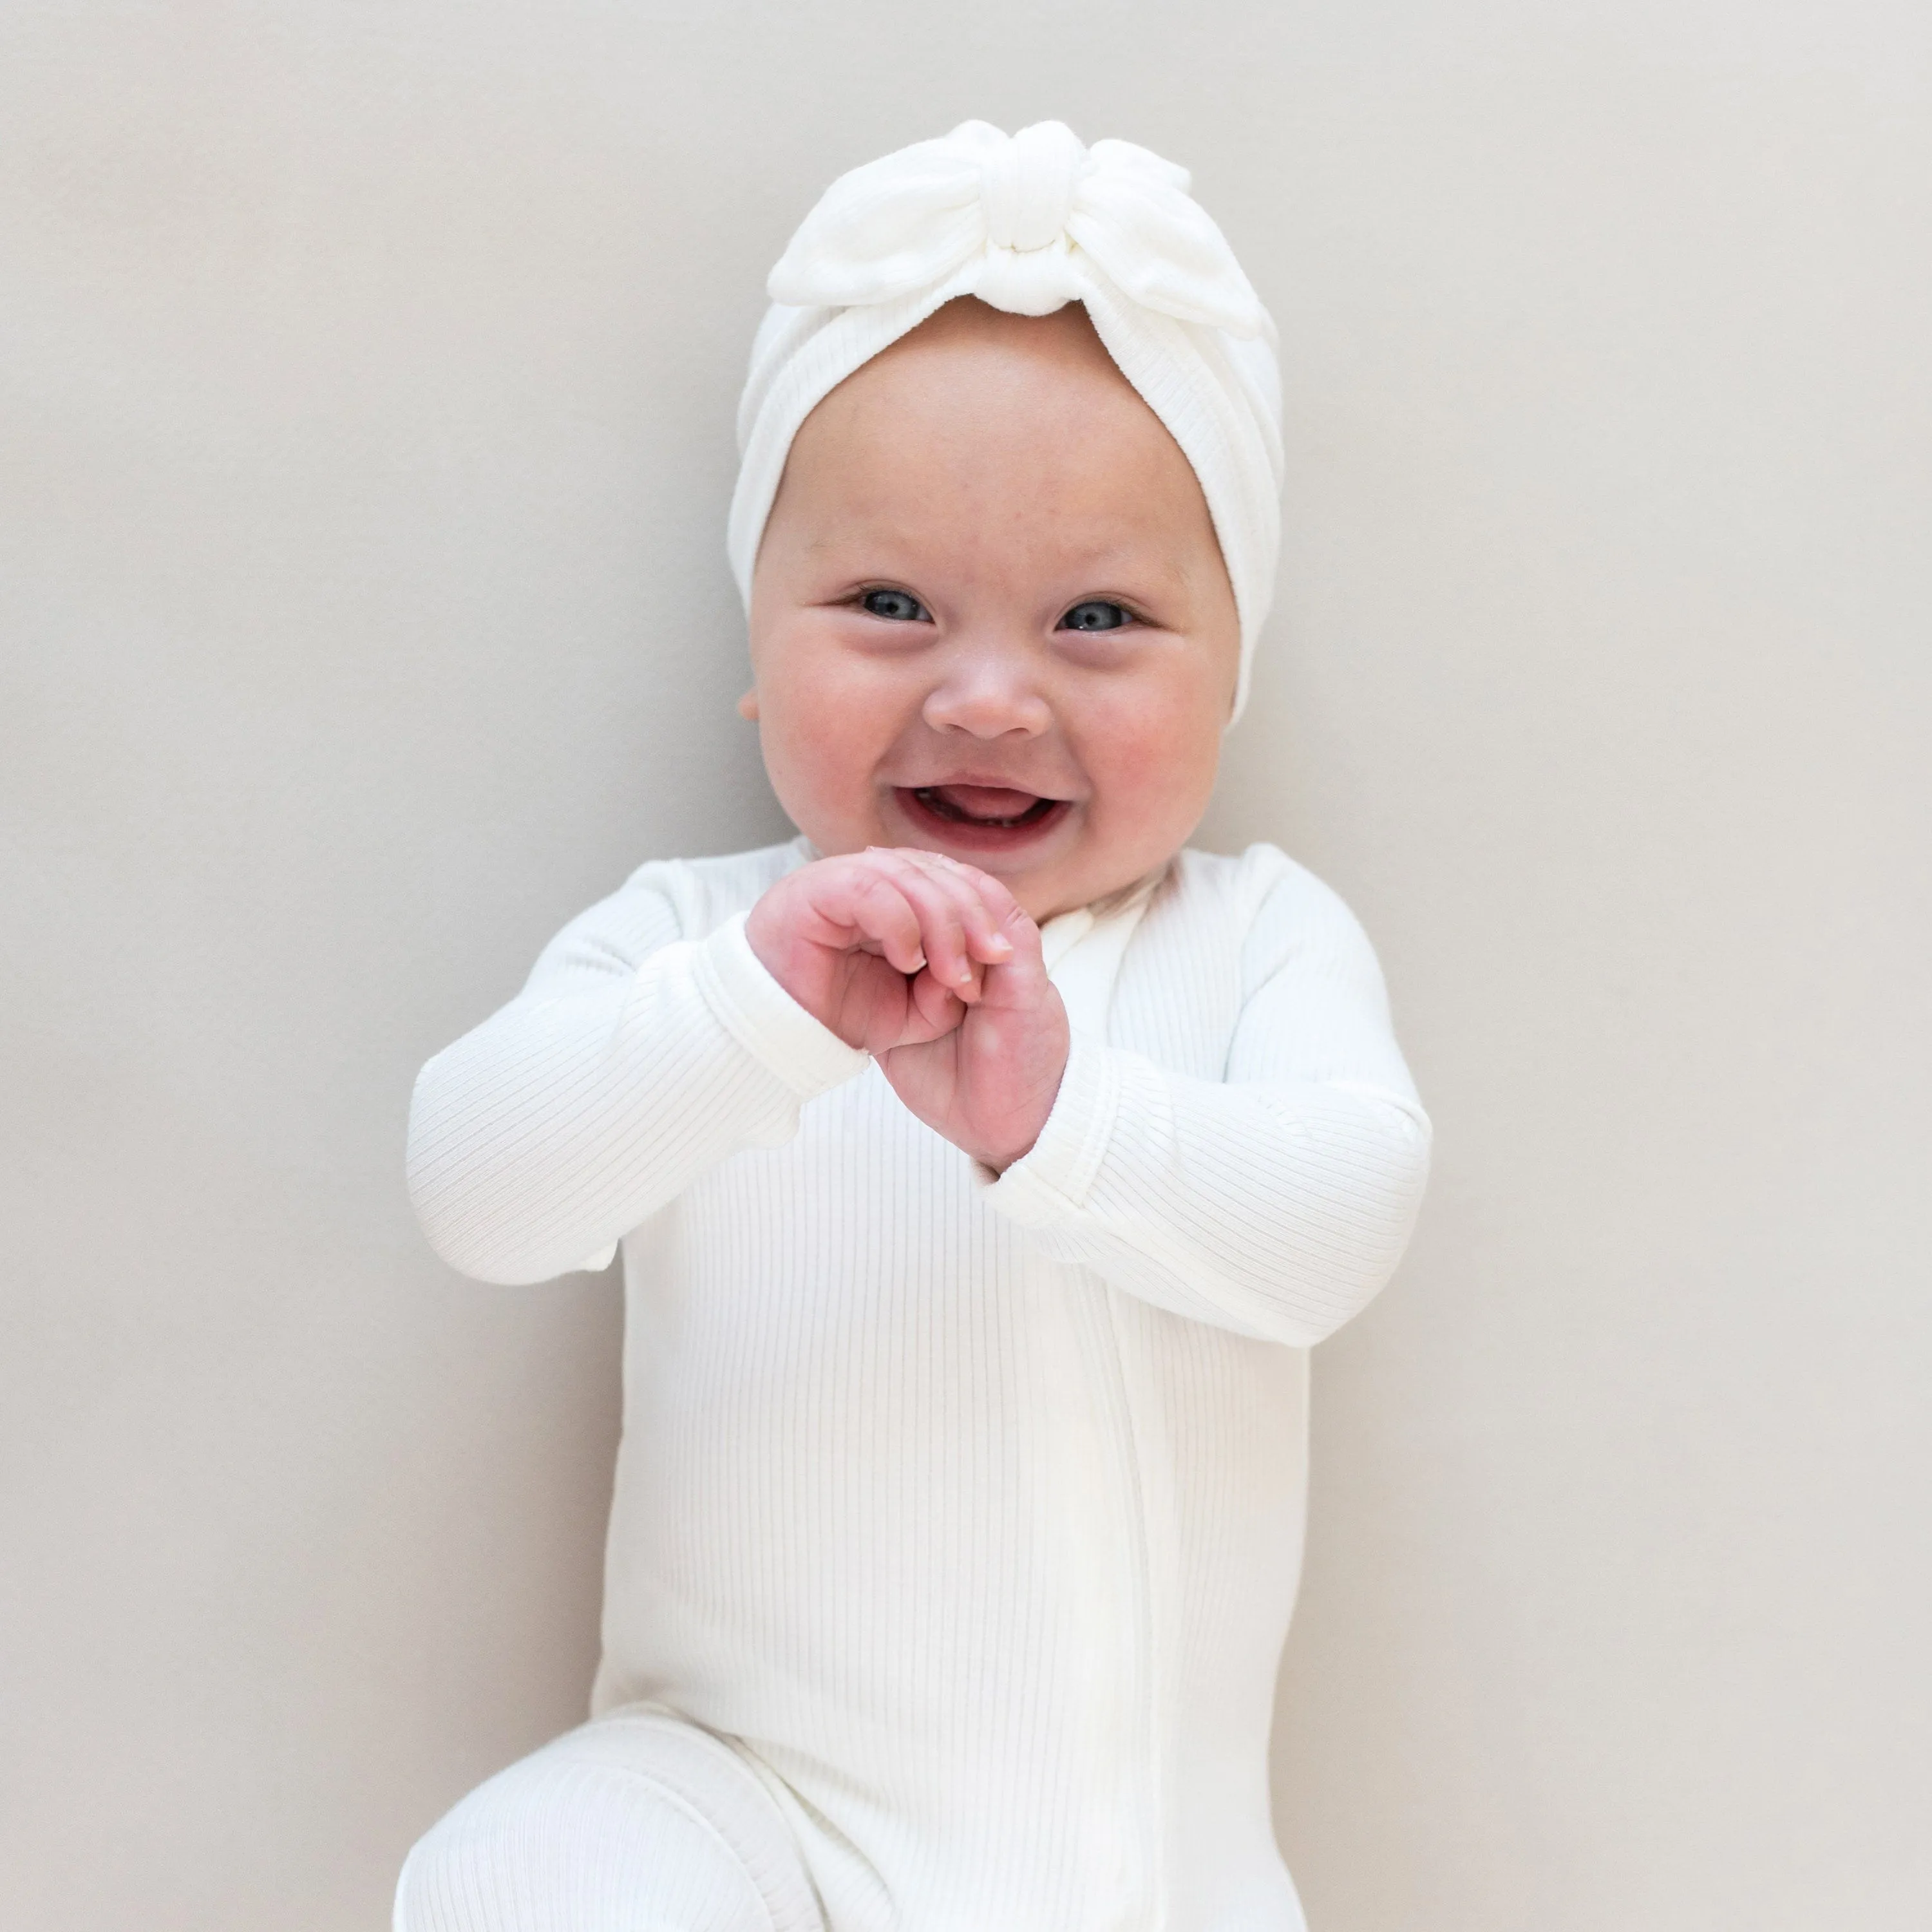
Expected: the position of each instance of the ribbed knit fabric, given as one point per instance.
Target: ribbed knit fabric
(637, 1823)
(966, 1509)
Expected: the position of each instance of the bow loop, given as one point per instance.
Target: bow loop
(1136, 219)
(899, 223)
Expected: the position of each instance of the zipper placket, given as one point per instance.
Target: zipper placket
(1143, 1727)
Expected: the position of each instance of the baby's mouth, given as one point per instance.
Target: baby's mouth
(984, 820)
(988, 805)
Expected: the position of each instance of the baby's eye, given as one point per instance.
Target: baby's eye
(900, 606)
(1097, 613)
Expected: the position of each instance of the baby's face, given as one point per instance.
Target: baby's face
(989, 616)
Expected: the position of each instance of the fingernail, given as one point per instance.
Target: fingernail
(918, 963)
(999, 942)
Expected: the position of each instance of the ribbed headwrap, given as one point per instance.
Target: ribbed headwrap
(1029, 223)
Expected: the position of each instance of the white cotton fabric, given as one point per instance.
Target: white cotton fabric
(965, 1510)
(1029, 223)
(636, 1823)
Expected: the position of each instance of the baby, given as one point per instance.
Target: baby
(984, 1162)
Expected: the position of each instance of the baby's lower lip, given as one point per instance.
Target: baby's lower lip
(982, 818)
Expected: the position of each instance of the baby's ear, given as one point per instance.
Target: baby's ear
(748, 705)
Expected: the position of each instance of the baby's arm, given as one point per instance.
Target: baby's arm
(633, 1061)
(1275, 1202)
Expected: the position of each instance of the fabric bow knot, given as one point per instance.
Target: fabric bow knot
(1022, 221)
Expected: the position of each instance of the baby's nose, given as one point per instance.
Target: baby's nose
(987, 695)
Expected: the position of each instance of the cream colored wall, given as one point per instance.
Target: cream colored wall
(368, 376)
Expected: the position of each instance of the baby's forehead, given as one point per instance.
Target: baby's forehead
(992, 447)
(970, 379)
(1063, 347)
(1030, 461)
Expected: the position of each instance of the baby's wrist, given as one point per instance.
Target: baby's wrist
(1023, 1131)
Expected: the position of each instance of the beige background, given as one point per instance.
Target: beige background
(367, 378)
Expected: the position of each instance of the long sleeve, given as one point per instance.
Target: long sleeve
(1274, 1202)
(633, 1061)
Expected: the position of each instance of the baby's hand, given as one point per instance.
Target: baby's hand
(933, 968)
(884, 949)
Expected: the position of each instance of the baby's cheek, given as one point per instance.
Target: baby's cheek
(822, 735)
(1159, 762)
(809, 759)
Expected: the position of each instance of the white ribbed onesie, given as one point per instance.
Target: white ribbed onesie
(958, 1518)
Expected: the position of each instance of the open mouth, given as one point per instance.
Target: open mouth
(980, 814)
(984, 805)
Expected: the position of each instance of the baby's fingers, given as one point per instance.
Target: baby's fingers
(948, 914)
(983, 915)
(880, 909)
(1017, 978)
(1011, 933)
(935, 1011)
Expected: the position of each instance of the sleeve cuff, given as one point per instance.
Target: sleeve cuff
(1050, 1182)
(766, 1020)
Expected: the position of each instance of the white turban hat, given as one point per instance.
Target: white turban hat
(1029, 223)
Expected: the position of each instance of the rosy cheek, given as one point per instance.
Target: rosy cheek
(816, 750)
(1153, 757)
(827, 724)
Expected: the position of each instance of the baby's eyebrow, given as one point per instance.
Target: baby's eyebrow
(869, 535)
(1104, 544)
(1125, 574)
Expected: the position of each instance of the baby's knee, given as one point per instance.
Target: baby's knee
(568, 1840)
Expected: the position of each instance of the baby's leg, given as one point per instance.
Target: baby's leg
(636, 1823)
